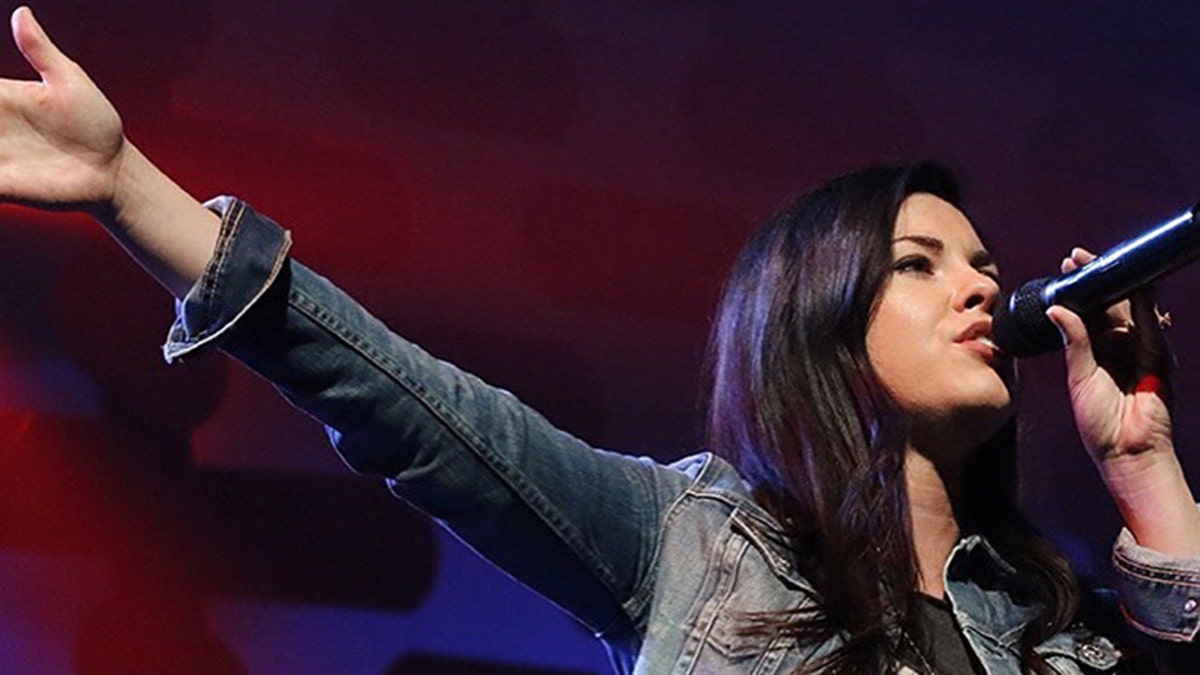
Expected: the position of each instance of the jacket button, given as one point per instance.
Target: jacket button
(1097, 652)
(1190, 606)
(1090, 652)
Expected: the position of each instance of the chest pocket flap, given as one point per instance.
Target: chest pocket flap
(1079, 646)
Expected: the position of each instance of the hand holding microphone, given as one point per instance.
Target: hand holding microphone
(1020, 326)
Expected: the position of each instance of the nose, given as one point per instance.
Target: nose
(977, 291)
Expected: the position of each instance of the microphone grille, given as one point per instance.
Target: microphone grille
(1020, 326)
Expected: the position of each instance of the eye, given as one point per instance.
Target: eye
(918, 264)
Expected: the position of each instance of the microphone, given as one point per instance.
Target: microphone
(1020, 326)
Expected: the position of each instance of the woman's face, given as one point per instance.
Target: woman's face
(930, 337)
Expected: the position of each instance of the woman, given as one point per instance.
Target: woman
(883, 447)
(859, 404)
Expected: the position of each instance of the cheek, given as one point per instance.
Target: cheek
(905, 375)
(916, 369)
(895, 348)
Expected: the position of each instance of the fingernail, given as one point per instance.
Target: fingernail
(1061, 332)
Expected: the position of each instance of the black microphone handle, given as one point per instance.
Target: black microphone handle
(1020, 326)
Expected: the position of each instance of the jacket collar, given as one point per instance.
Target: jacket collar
(987, 593)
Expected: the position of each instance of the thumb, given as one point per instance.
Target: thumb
(36, 46)
(1077, 344)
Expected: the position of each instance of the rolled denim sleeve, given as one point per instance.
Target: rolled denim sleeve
(578, 524)
(247, 258)
(1160, 595)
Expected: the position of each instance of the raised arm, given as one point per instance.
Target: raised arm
(1119, 378)
(578, 524)
(1119, 372)
(62, 147)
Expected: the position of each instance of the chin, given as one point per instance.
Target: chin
(975, 414)
(996, 388)
(987, 416)
(998, 406)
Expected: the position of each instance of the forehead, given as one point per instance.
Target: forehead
(923, 214)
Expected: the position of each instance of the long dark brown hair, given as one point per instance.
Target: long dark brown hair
(797, 407)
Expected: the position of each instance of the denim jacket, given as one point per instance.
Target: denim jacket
(662, 562)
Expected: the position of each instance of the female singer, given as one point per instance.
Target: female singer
(857, 514)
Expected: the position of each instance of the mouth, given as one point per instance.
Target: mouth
(978, 338)
(986, 340)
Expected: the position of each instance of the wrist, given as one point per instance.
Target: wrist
(1155, 501)
(128, 168)
(166, 230)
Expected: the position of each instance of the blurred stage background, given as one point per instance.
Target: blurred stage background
(548, 193)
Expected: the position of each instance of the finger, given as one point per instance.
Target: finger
(1077, 345)
(1082, 256)
(1078, 258)
(1117, 316)
(36, 46)
(1147, 324)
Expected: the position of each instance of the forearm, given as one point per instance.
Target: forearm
(167, 231)
(1153, 496)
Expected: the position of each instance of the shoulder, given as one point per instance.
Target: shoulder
(714, 482)
(718, 510)
(711, 473)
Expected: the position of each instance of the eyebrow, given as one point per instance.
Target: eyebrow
(981, 258)
(928, 242)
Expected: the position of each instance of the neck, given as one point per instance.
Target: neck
(934, 497)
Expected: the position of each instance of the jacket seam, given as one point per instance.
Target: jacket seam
(645, 589)
(1173, 636)
(526, 492)
(207, 335)
(1156, 574)
(212, 278)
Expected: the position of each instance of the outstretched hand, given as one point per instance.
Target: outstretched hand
(61, 141)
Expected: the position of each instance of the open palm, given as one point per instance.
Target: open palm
(61, 141)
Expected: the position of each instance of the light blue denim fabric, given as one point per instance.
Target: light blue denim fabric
(662, 562)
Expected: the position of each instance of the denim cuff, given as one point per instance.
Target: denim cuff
(1160, 595)
(251, 249)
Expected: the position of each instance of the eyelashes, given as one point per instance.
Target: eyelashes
(920, 264)
(913, 264)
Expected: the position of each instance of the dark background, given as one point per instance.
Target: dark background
(548, 193)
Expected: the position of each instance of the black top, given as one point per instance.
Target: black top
(940, 640)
